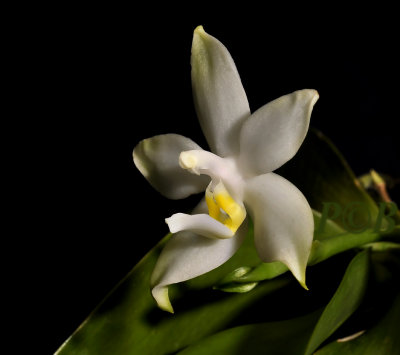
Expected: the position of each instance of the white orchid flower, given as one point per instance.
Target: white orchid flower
(237, 177)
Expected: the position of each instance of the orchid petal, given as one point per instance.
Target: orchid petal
(201, 224)
(157, 158)
(220, 100)
(283, 222)
(274, 133)
(188, 255)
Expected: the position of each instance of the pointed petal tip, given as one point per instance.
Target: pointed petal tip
(168, 309)
(311, 94)
(300, 278)
(199, 30)
(303, 284)
(200, 39)
(160, 295)
(299, 272)
(315, 96)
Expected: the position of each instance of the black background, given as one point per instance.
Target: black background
(96, 81)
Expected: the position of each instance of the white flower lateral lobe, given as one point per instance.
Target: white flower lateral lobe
(202, 224)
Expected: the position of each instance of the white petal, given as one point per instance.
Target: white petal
(188, 255)
(201, 224)
(274, 133)
(220, 100)
(157, 158)
(283, 222)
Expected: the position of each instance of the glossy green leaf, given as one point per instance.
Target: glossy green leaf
(344, 302)
(383, 339)
(128, 321)
(284, 337)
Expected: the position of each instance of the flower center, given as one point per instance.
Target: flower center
(223, 208)
(221, 205)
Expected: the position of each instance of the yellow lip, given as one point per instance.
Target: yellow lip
(223, 208)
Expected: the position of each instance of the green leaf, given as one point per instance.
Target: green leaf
(323, 175)
(344, 302)
(128, 321)
(283, 337)
(329, 228)
(322, 249)
(383, 339)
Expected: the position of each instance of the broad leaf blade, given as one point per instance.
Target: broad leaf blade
(128, 321)
(383, 339)
(283, 337)
(344, 302)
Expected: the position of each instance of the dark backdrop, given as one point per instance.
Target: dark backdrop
(103, 79)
